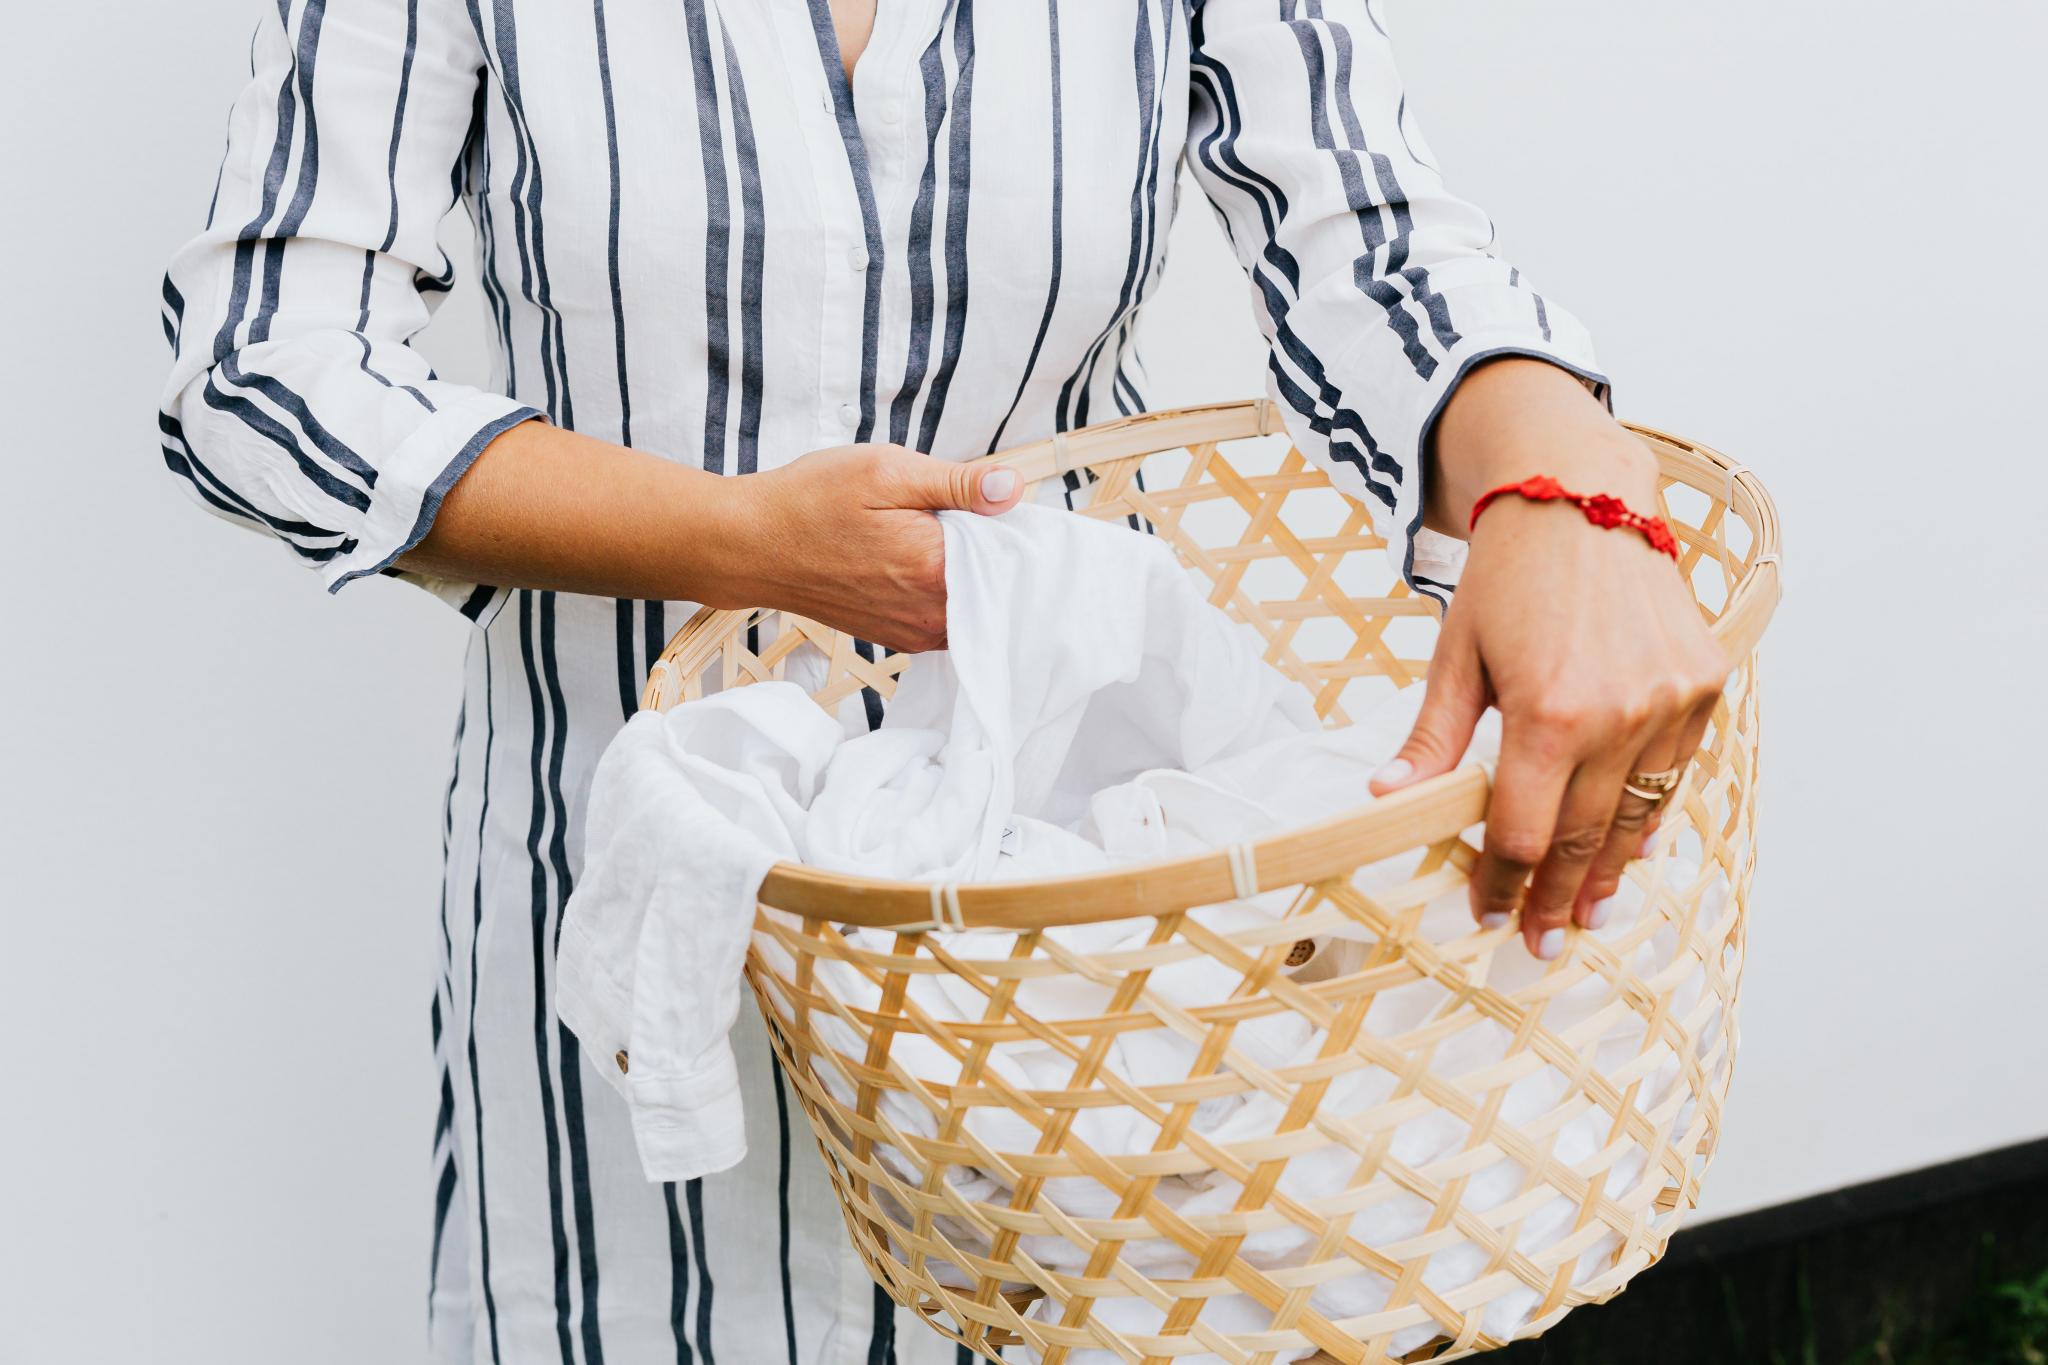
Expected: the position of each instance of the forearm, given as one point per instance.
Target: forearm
(1517, 416)
(543, 507)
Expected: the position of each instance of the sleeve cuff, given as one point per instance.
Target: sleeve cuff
(692, 1125)
(686, 1124)
(410, 488)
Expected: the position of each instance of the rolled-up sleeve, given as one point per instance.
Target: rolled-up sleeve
(295, 405)
(1377, 288)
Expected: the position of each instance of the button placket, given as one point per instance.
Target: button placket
(837, 203)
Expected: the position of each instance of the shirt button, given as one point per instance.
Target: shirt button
(858, 258)
(849, 415)
(826, 102)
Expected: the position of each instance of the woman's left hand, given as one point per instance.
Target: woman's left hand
(1587, 640)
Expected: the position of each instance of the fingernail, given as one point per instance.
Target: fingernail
(1550, 944)
(1493, 919)
(1394, 773)
(1600, 912)
(1648, 846)
(998, 484)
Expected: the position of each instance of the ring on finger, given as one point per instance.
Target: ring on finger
(1653, 787)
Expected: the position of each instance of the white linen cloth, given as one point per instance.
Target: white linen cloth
(1140, 725)
(1031, 711)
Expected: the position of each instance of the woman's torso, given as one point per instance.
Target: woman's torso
(697, 240)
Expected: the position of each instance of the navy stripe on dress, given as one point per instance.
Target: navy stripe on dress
(541, 867)
(527, 225)
(496, 296)
(1057, 231)
(611, 147)
(959, 191)
(753, 261)
(693, 1197)
(444, 999)
(679, 1278)
(476, 933)
(850, 137)
(931, 68)
(717, 248)
(310, 20)
(568, 1057)
(412, 31)
(1074, 396)
(782, 1156)
(630, 672)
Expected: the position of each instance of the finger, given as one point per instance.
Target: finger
(1584, 817)
(1627, 838)
(1453, 700)
(1530, 785)
(1636, 818)
(935, 485)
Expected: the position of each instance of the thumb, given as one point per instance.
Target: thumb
(937, 485)
(1451, 707)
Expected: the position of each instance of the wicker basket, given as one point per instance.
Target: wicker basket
(1298, 562)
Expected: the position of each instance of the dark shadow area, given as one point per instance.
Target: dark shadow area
(1943, 1266)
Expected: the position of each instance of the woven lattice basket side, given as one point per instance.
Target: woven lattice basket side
(1422, 1123)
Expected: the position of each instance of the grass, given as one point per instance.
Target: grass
(2005, 1324)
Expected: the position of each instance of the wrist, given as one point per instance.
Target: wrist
(1516, 417)
(735, 528)
(1605, 459)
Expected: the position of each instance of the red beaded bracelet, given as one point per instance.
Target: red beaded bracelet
(1602, 509)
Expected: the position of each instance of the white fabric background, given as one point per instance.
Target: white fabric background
(1804, 232)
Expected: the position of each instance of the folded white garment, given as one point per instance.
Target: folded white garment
(1131, 723)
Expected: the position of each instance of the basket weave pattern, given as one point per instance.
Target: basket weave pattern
(1282, 552)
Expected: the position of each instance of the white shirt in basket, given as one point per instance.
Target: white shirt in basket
(695, 236)
(1051, 692)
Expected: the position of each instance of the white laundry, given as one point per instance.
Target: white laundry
(1032, 710)
(1137, 723)
(684, 822)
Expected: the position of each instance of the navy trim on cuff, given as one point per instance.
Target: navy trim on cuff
(430, 503)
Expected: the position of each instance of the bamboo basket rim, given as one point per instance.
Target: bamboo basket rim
(1432, 810)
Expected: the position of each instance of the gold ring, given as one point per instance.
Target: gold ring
(1653, 787)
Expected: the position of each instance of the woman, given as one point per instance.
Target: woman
(715, 237)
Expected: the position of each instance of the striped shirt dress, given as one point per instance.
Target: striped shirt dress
(696, 236)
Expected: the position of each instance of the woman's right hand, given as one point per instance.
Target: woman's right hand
(845, 536)
(848, 537)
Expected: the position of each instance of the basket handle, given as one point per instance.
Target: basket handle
(1432, 810)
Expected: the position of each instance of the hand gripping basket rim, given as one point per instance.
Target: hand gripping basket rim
(1430, 810)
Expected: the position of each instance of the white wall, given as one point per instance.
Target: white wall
(1804, 232)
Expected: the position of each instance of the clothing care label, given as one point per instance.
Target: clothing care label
(1012, 842)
